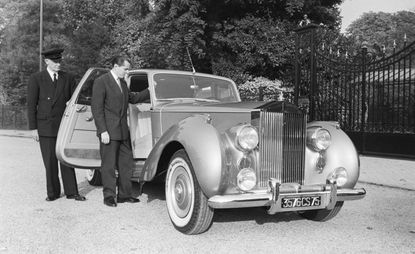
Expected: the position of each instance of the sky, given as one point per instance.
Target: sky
(351, 10)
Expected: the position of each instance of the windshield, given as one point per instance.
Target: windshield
(169, 86)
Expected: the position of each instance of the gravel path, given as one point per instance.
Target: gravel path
(383, 222)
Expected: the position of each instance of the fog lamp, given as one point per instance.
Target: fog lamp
(246, 179)
(247, 138)
(339, 175)
(318, 139)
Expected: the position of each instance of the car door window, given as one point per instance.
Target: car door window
(138, 82)
(85, 95)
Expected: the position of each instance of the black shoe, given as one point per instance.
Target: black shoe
(128, 200)
(77, 197)
(110, 202)
(51, 198)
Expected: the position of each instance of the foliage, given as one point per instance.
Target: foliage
(99, 29)
(19, 43)
(262, 89)
(378, 29)
(255, 46)
(240, 39)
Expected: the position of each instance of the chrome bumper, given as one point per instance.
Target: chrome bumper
(272, 197)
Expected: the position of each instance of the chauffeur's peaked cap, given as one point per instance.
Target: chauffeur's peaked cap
(53, 54)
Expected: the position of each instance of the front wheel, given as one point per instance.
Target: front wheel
(187, 205)
(322, 214)
(93, 176)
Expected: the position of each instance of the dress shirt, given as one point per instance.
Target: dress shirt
(51, 73)
(117, 79)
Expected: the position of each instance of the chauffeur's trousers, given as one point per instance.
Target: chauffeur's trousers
(53, 185)
(116, 155)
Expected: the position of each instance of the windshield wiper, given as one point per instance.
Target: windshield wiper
(206, 100)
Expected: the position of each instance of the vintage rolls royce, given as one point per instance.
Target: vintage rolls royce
(215, 151)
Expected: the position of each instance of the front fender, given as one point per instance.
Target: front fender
(341, 153)
(202, 143)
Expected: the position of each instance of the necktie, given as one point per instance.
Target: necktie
(119, 83)
(55, 79)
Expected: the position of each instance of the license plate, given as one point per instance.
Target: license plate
(307, 201)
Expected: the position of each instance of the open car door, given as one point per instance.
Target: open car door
(139, 118)
(77, 143)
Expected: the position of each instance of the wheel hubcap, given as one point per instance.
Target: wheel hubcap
(90, 174)
(181, 192)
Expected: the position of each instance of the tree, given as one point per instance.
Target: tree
(378, 29)
(253, 46)
(19, 43)
(99, 29)
(238, 39)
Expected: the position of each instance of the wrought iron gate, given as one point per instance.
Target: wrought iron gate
(373, 98)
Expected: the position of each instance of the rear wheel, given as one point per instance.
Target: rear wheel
(93, 176)
(187, 205)
(322, 214)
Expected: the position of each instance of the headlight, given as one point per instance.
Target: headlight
(247, 138)
(339, 175)
(318, 139)
(246, 179)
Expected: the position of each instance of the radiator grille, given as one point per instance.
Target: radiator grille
(281, 147)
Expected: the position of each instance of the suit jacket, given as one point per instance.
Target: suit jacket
(109, 106)
(46, 103)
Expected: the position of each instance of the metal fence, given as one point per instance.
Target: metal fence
(13, 117)
(372, 97)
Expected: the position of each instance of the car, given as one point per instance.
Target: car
(215, 151)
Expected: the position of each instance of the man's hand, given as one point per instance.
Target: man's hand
(105, 137)
(35, 135)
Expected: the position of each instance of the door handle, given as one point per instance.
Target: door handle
(89, 118)
(81, 109)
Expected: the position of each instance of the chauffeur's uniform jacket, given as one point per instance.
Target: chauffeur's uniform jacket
(46, 103)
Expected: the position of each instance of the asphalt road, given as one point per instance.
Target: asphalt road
(383, 222)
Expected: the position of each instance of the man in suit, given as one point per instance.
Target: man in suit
(47, 94)
(110, 98)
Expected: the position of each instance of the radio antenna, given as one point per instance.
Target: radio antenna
(190, 58)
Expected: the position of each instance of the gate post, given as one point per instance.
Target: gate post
(296, 70)
(313, 84)
(307, 34)
(364, 108)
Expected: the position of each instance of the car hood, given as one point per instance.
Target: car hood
(246, 106)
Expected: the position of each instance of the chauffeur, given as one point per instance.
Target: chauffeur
(47, 94)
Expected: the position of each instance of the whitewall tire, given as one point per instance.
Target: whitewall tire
(93, 176)
(186, 204)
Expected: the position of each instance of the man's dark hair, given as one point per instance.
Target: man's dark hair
(118, 60)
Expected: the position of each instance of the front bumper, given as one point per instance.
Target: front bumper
(272, 197)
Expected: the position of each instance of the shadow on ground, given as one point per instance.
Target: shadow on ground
(155, 191)
(257, 214)
(84, 188)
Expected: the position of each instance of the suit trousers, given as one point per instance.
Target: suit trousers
(53, 186)
(117, 154)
